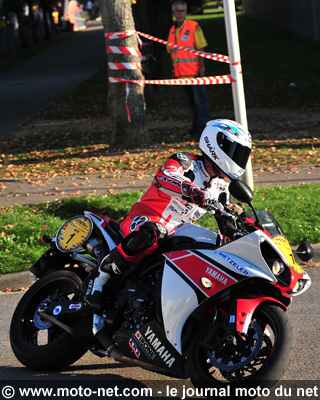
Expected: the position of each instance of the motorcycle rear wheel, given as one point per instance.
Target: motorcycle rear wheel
(37, 343)
(269, 342)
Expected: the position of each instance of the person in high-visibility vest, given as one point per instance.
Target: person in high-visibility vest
(188, 33)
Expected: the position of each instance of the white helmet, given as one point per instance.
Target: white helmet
(227, 145)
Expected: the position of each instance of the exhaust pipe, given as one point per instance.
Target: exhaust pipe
(60, 324)
(107, 343)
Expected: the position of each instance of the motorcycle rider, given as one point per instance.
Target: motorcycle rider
(178, 194)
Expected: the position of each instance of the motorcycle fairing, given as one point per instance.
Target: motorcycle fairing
(150, 345)
(244, 255)
(194, 266)
(223, 267)
(102, 222)
(182, 290)
(178, 300)
(198, 233)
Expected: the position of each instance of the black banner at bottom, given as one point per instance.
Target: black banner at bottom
(162, 389)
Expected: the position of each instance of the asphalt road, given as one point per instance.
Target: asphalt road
(30, 86)
(304, 366)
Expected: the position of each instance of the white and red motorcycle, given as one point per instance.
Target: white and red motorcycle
(206, 306)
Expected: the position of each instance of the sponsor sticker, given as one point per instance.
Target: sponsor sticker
(218, 276)
(152, 346)
(145, 345)
(234, 264)
(75, 306)
(57, 310)
(134, 347)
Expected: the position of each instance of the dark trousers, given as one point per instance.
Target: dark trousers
(198, 104)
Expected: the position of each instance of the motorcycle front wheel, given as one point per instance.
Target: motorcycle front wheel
(37, 343)
(261, 357)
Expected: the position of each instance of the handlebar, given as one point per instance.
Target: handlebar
(217, 207)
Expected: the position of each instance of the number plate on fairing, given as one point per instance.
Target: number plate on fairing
(74, 233)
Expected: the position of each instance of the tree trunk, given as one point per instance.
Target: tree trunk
(154, 18)
(117, 17)
(33, 22)
(44, 7)
(21, 30)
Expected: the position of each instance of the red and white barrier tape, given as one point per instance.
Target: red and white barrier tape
(208, 80)
(127, 107)
(124, 65)
(119, 35)
(123, 50)
(210, 56)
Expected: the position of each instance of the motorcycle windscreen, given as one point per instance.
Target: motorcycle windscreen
(268, 221)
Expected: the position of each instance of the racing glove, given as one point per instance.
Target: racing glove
(196, 195)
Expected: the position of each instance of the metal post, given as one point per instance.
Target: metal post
(239, 102)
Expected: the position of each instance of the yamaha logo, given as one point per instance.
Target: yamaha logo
(152, 346)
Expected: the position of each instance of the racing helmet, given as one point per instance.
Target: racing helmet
(227, 145)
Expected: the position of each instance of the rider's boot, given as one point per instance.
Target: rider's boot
(93, 296)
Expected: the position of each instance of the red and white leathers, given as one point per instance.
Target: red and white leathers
(164, 202)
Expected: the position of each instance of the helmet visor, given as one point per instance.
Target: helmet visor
(236, 151)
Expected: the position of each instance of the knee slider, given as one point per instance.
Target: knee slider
(138, 241)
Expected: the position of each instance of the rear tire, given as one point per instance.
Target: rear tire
(262, 359)
(47, 348)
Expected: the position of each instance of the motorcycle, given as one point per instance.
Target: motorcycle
(206, 306)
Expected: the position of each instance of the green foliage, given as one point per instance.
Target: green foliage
(21, 227)
(295, 207)
(196, 6)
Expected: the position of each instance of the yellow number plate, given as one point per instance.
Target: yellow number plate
(285, 247)
(73, 233)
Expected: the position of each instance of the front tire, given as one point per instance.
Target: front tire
(263, 357)
(37, 343)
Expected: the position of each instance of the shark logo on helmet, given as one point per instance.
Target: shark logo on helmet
(211, 149)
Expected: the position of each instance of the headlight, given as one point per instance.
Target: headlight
(299, 286)
(277, 267)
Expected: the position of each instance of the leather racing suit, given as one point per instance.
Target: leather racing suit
(165, 205)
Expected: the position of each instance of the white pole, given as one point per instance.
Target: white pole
(239, 102)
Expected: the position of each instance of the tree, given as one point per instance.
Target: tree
(117, 17)
(32, 22)
(154, 18)
(47, 12)
(16, 6)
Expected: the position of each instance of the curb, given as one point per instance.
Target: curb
(16, 280)
(24, 279)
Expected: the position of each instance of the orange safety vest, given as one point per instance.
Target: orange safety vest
(184, 63)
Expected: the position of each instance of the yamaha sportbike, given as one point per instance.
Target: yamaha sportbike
(206, 306)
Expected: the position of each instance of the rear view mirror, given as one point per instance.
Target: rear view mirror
(305, 251)
(241, 191)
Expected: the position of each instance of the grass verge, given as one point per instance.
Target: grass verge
(21, 226)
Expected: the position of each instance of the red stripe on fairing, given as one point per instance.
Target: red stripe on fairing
(177, 254)
(196, 268)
